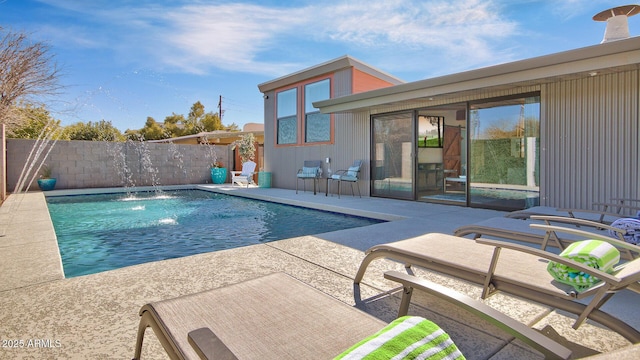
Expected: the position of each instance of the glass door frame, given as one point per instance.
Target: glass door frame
(482, 103)
(392, 185)
(444, 165)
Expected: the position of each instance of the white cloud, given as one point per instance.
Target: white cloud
(227, 36)
(233, 36)
(445, 29)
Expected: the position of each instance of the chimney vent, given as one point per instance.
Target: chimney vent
(617, 24)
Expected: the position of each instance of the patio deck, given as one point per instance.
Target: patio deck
(96, 316)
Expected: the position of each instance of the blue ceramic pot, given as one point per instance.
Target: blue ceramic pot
(47, 184)
(218, 175)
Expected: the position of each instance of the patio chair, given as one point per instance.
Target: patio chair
(311, 170)
(351, 175)
(245, 176)
(520, 230)
(605, 216)
(618, 205)
(279, 317)
(515, 269)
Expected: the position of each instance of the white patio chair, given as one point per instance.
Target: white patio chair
(245, 176)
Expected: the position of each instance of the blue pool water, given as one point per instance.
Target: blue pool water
(105, 232)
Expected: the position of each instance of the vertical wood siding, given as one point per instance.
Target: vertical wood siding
(589, 138)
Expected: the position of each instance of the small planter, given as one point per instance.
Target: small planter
(47, 184)
(218, 175)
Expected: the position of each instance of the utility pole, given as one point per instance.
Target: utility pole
(220, 108)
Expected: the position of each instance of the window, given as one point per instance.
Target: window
(298, 121)
(286, 116)
(317, 125)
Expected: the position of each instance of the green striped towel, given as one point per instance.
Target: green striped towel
(594, 253)
(408, 337)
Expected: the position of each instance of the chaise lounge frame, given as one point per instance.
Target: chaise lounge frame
(609, 213)
(514, 269)
(254, 319)
(521, 230)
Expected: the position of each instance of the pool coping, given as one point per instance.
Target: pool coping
(236, 191)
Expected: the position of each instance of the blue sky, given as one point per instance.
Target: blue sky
(124, 60)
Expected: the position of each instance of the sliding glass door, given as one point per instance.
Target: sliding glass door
(504, 168)
(393, 156)
(482, 154)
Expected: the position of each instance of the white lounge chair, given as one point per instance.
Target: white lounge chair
(245, 176)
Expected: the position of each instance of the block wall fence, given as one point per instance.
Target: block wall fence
(97, 164)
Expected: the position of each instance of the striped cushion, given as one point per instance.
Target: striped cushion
(408, 337)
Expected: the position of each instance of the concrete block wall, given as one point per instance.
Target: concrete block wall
(96, 164)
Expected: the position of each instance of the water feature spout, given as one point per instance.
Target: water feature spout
(37, 156)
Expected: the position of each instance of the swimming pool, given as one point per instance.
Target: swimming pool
(108, 231)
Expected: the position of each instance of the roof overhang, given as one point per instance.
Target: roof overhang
(326, 68)
(585, 62)
(204, 137)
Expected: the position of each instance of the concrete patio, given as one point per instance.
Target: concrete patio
(45, 316)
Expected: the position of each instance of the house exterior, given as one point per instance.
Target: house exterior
(558, 130)
(295, 131)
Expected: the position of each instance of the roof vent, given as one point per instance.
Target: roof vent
(616, 18)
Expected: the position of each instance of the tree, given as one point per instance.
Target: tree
(232, 127)
(199, 121)
(212, 122)
(173, 125)
(152, 130)
(27, 72)
(98, 131)
(32, 120)
(246, 147)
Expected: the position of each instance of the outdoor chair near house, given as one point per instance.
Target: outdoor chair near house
(621, 205)
(278, 317)
(351, 176)
(244, 177)
(311, 170)
(605, 213)
(520, 230)
(518, 270)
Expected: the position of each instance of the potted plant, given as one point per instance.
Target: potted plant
(46, 182)
(218, 173)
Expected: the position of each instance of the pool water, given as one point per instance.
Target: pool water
(109, 231)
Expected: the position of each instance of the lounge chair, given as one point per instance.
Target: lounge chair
(245, 176)
(514, 269)
(311, 170)
(604, 216)
(278, 317)
(351, 175)
(520, 230)
(618, 206)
